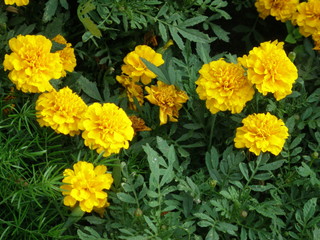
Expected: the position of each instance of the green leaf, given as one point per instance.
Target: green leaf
(309, 209)
(194, 35)
(203, 51)
(176, 38)
(151, 224)
(91, 26)
(89, 88)
(64, 4)
(160, 74)
(50, 10)
(124, 197)
(163, 32)
(261, 188)
(212, 163)
(244, 170)
(272, 166)
(221, 34)
(193, 21)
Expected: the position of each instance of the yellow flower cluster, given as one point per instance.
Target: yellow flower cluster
(280, 9)
(61, 110)
(134, 67)
(67, 56)
(224, 86)
(133, 89)
(307, 17)
(269, 68)
(261, 132)
(85, 184)
(17, 2)
(107, 128)
(168, 98)
(31, 64)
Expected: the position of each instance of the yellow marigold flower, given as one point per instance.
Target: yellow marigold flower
(67, 56)
(307, 17)
(269, 68)
(133, 90)
(85, 184)
(62, 111)
(281, 10)
(31, 64)
(17, 2)
(134, 67)
(138, 124)
(261, 132)
(316, 40)
(224, 86)
(168, 98)
(106, 128)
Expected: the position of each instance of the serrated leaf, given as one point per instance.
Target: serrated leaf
(151, 224)
(194, 35)
(221, 34)
(244, 170)
(50, 10)
(124, 197)
(193, 21)
(176, 38)
(203, 51)
(272, 166)
(261, 188)
(163, 31)
(309, 209)
(160, 74)
(89, 88)
(91, 26)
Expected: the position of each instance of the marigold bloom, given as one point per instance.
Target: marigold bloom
(261, 132)
(62, 111)
(168, 98)
(224, 86)
(17, 2)
(133, 90)
(106, 128)
(67, 56)
(269, 68)
(86, 184)
(31, 64)
(134, 67)
(316, 40)
(138, 124)
(307, 17)
(280, 9)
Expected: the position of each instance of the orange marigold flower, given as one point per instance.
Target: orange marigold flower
(281, 10)
(17, 2)
(134, 67)
(67, 56)
(261, 132)
(224, 86)
(31, 64)
(269, 68)
(138, 124)
(307, 17)
(85, 184)
(168, 98)
(106, 128)
(133, 90)
(62, 111)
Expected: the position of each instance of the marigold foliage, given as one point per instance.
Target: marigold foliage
(17, 2)
(31, 64)
(261, 132)
(168, 98)
(61, 110)
(270, 69)
(106, 128)
(67, 56)
(307, 17)
(281, 10)
(224, 86)
(85, 184)
(133, 90)
(134, 67)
